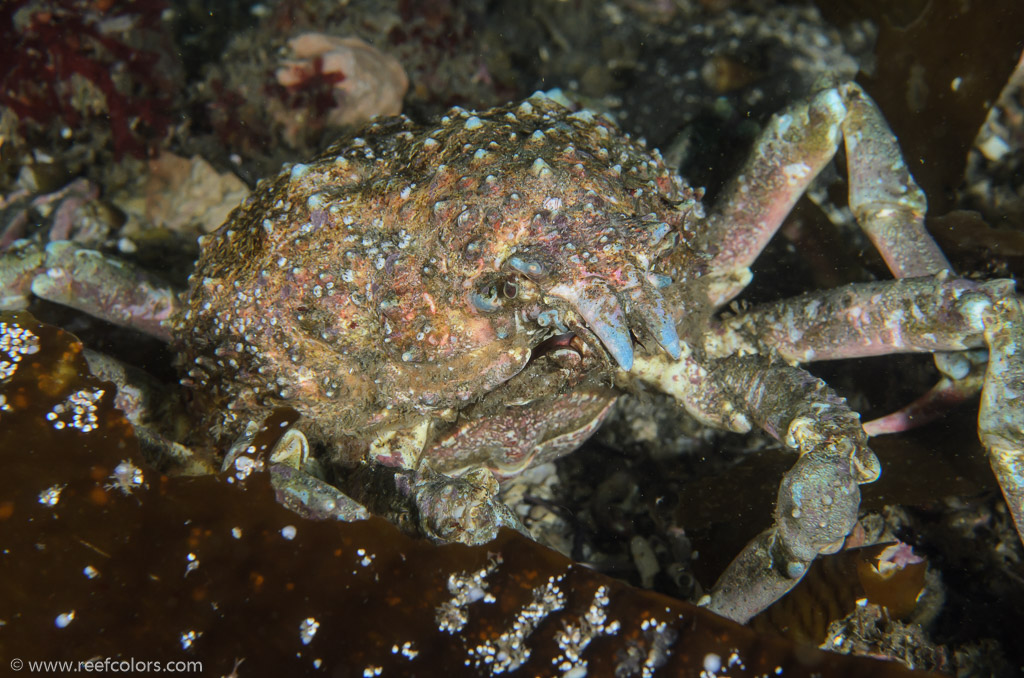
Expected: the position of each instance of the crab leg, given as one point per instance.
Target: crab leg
(911, 315)
(106, 288)
(18, 268)
(890, 207)
(886, 201)
(1001, 419)
(917, 315)
(790, 153)
(819, 497)
(951, 390)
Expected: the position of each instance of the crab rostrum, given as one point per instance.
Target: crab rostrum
(459, 300)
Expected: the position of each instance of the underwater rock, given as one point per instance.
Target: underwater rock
(186, 195)
(364, 81)
(104, 76)
(308, 68)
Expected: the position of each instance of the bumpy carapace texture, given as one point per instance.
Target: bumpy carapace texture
(411, 269)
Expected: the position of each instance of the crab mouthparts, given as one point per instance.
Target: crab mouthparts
(610, 314)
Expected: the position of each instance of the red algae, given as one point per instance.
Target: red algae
(96, 71)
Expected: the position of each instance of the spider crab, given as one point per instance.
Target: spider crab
(456, 302)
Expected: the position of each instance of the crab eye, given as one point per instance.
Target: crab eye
(486, 298)
(490, 295)
(529, 268)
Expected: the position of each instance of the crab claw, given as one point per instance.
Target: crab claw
(601, 309)
(649, 308)
(597, 304)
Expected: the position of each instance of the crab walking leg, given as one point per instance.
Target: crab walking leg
(795, 145)
(106, 288)
(912, 315)
(1001, 418)
(819, 497)
(890, 207)
(921, 315)
(792, 149)
(950, 391)
(886, 201)
(142, 399)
